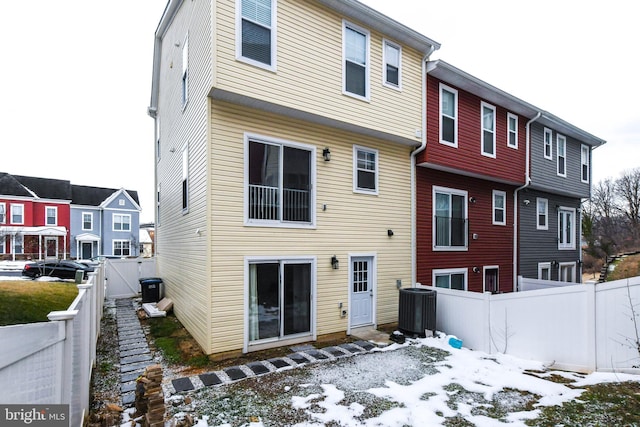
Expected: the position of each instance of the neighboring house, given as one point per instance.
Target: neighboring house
(485, 169)
(284, 133)
(34, 217)
(147, 234)
(550, 209)
(104, 221)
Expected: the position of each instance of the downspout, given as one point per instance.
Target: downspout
(414, 153)
(527, 182)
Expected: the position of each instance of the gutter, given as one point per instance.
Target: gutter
(527, 182)
(414, 153)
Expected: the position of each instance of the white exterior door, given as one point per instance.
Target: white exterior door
(362, 290)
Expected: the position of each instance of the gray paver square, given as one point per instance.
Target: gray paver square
(335, 351)
(364, 344)
(350, 348)
(128, 398)
(258, 368)
(135, 359)
(133, 367)
(134, 352)
(130, 376)
(317, 355)
(279, 363)
(182, 384)
(235, 373)
(299, 358)
(210, 379)
(127, 387)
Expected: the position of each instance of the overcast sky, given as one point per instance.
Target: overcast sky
(76, 77)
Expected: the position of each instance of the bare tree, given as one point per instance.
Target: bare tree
(605, 215)
(628, 190)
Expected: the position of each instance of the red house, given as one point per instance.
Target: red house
(34, 217)
(474, 160)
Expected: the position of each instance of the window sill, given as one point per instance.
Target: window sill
(450, 248)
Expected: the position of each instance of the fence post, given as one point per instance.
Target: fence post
(486, 318)
(66, 376)
(590, 326)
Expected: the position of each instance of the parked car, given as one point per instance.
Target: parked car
(63, 269)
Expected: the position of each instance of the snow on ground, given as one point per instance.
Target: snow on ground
(425, 389)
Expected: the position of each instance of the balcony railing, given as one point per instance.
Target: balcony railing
(264, 204)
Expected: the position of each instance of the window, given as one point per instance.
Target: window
(121, 222)
(185, 180)
(121, 202)
(356, 61)
(562, 155)
(158, 138)
(499, 207)
(18, 244)
(158, 206)
(365, 170)
(3, 213)
(121, 248)
(17, 214)
(256, 37)
(3, 240)
(548, 144)
(450, 219)
(185, 71)
(448, 116)
(584, 161)
(279, 178)
(87, 221)
(279, 299)
(491, 279)
(488, 130)
(51, 213)
(566, 228)
(544, 271)
(567, 272)
(512, 130)
(543, 214)
(392, 60)
(450, 279)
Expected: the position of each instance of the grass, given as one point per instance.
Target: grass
(625, 267)
(26, 301)
(175, 343)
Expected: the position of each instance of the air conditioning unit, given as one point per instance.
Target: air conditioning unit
(417, 311)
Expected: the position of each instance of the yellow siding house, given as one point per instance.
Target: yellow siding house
(284, 139)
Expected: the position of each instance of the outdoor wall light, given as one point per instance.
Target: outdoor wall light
(335, 264)
(554, 263)
(476, 269)
(526, 202)
(326, 154)
(472, 199)
(389, 232)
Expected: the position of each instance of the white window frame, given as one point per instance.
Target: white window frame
(83, 221)
(356, 169)
(584, 162)
(123, 241)
(21, 207)
(184, 183)
(17, 242)
(248, 137)
(513, 132)
(453, 91)
(450, 191)
(542, 266)
(385, 80)
(484, 278)
(184, 77)
(273, 34)
(346, 25)
(158, 151)
(571, 245)
(269, 342)
(561, 140)
(448, 272)
(484, 105)
(3, 213)
(3, 244)
(497, 193)
(572, 267)
(546, 213)
(121, 222)
(55, 215)
(158, 205)
(548, 143)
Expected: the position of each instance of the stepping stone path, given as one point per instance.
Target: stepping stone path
(135, 357)
(134, 350)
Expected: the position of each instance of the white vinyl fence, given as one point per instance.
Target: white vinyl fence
(585, 327)
(51, 362)
(123, 275)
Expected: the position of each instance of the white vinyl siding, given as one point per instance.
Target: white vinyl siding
(448, 116)
(548, 144)
(365, 170)
(355, 61)
(542, 214)
(454, 278)
(256, 33)
(512, 130)
(488, 119)
(499, 208)
(185, 72)
(392, 65)
(562, 155)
